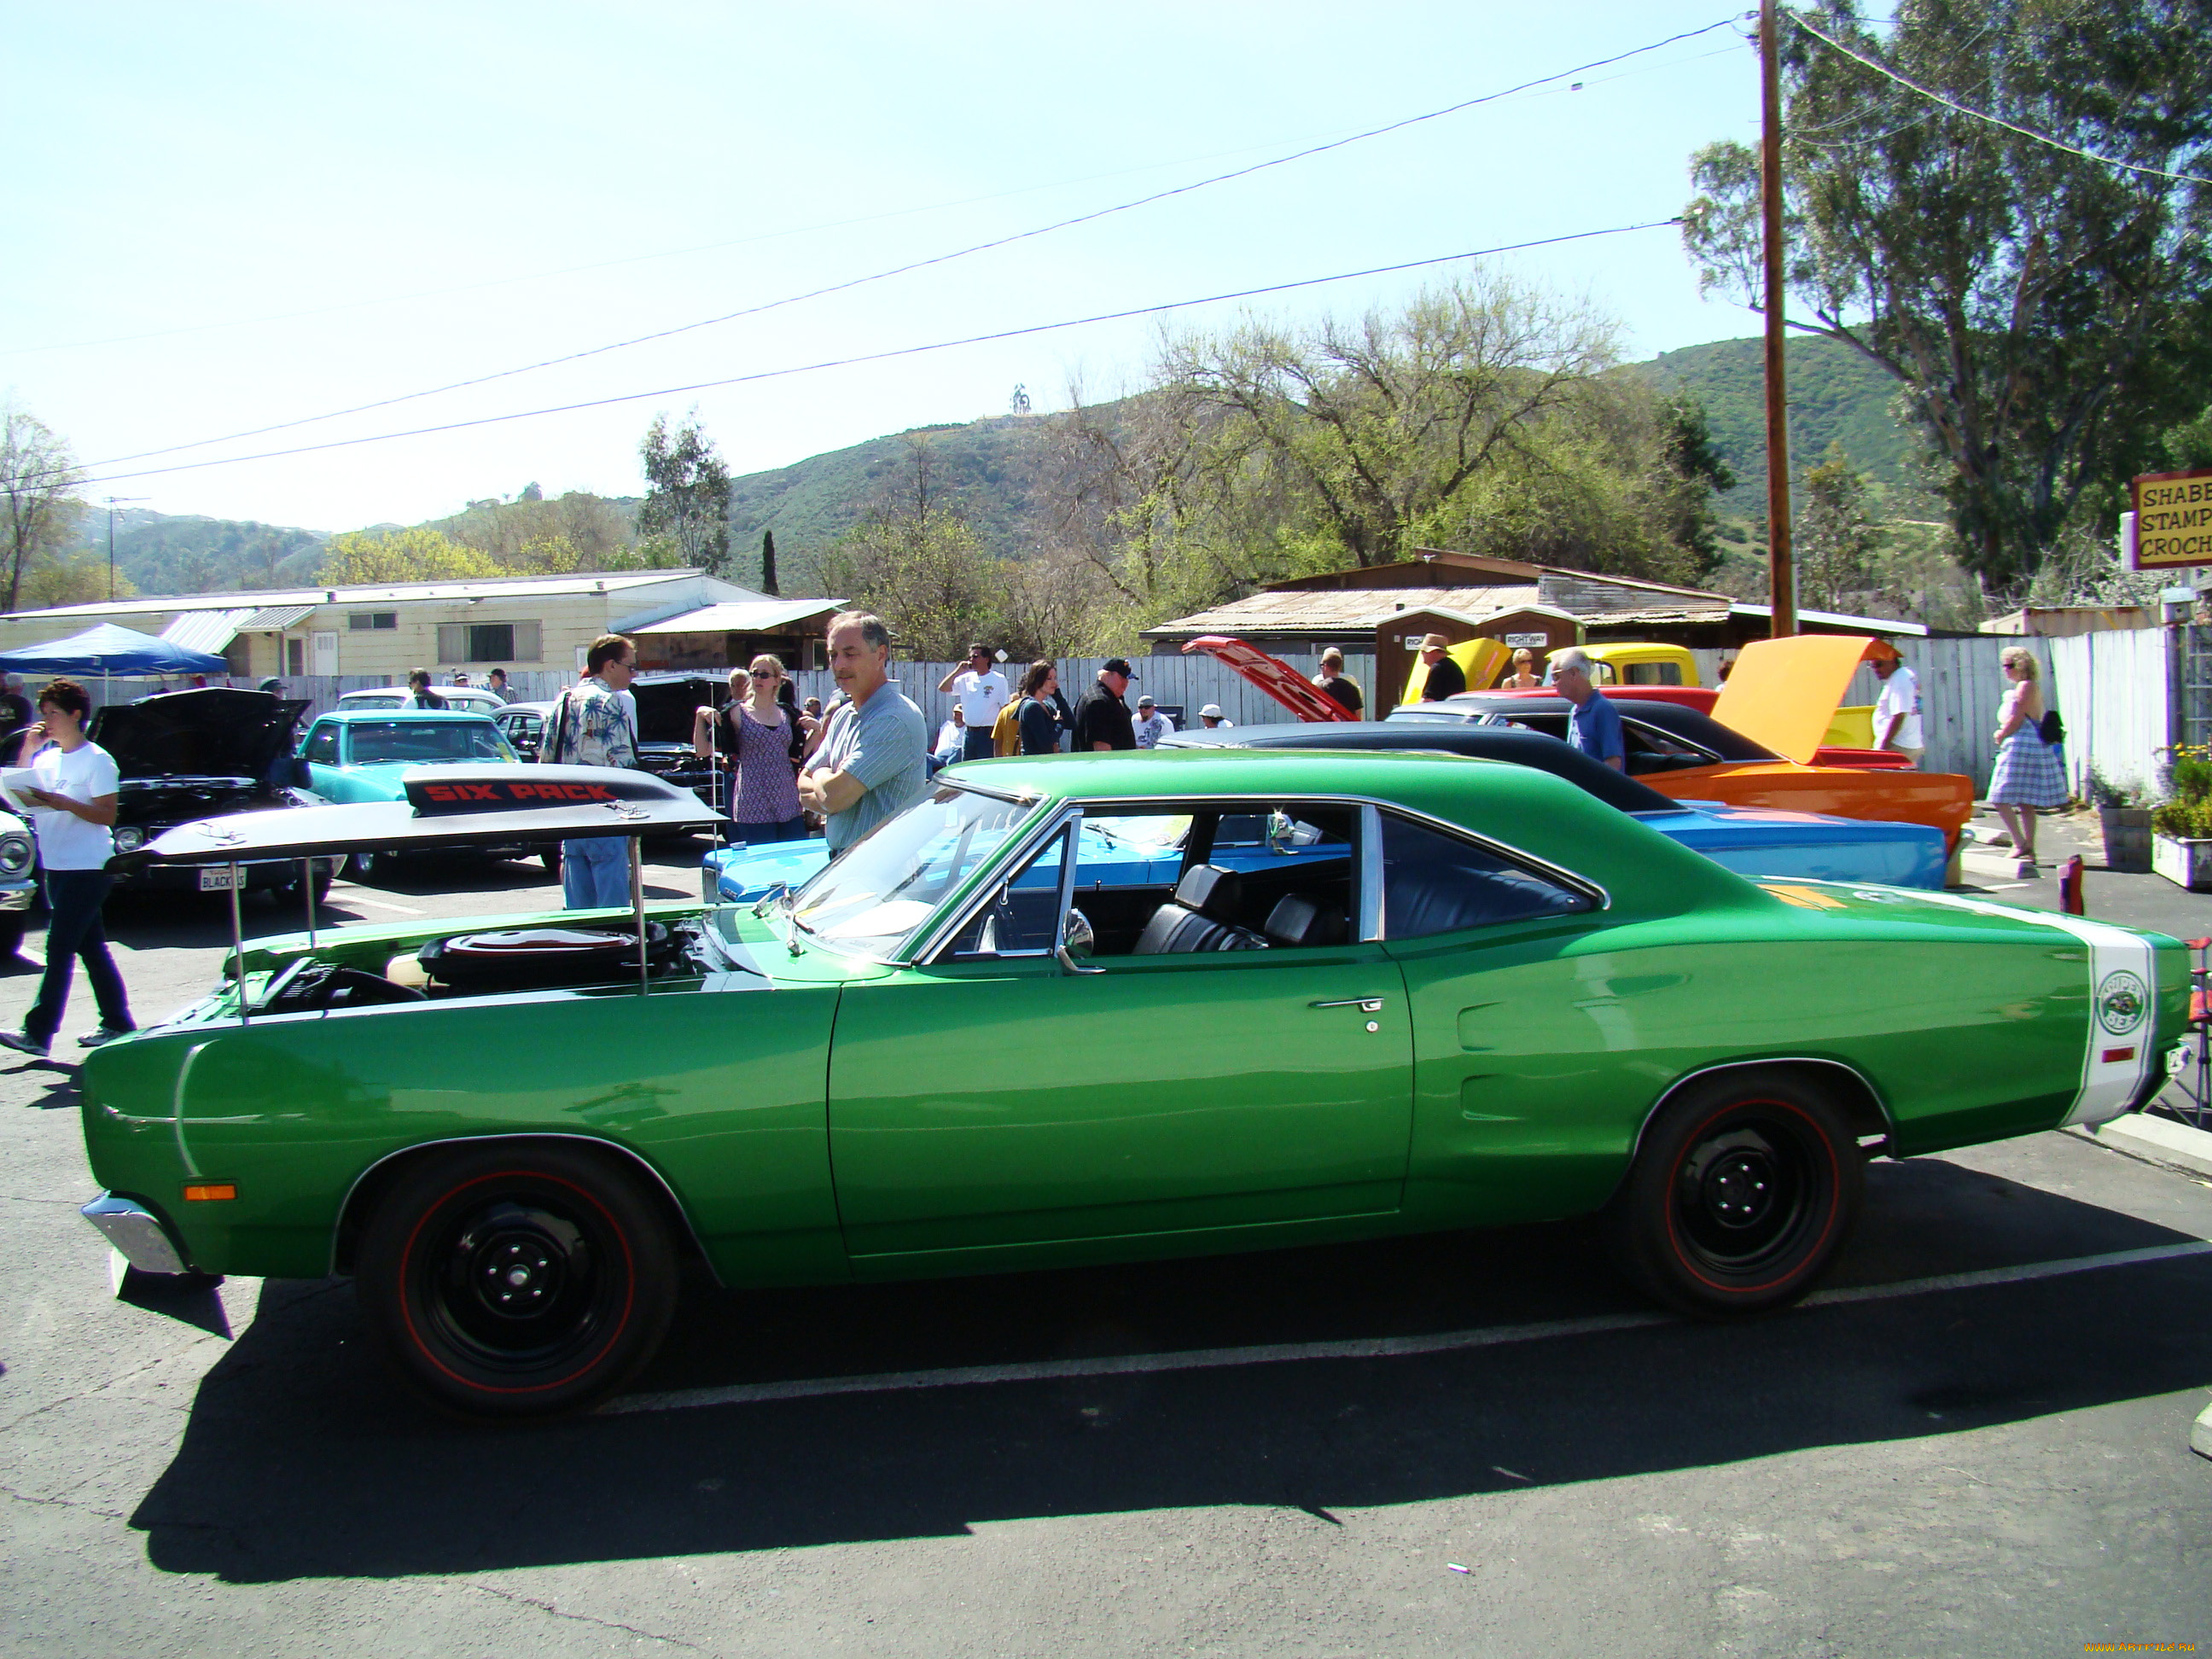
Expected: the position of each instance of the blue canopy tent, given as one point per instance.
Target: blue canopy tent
(108, 649)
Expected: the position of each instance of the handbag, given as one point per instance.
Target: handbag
(2052, 729)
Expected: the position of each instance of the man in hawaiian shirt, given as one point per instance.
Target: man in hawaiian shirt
(591, 725)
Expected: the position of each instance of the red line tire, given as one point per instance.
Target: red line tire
(1743, 1190)
(518, 1282)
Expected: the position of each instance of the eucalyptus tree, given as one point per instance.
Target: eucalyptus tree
(2003, 203)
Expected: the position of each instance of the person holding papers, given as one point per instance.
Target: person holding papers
(71, 794)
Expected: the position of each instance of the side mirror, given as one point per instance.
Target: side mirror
(1076, 941)
(1279, 830)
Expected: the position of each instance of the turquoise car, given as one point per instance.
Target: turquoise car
(357, 754)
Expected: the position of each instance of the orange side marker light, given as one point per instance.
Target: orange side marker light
(210, 1191)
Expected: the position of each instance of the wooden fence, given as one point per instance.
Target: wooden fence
(2111, 690)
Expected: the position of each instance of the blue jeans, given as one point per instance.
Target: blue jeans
(74, 898)
(761, 835)
(978, 744)
(595, 873)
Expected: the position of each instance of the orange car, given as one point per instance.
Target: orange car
(1757, 747)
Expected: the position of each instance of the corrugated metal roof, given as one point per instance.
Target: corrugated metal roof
(276, 619)
(580, 582)
(742, 617)
(1342, 608)
(205, 631)
(1655, 617)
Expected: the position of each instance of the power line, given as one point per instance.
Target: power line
(884, 356)
(1994, 120)
(921, 264)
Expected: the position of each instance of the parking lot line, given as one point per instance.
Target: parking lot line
(1378, 1348)
(378, 904)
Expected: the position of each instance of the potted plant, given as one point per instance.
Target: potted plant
(2124, 816)
(2181, 842)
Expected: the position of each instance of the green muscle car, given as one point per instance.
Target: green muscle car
(1462, 993)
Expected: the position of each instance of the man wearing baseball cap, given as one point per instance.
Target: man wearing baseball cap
(1102, 719)
(1446, 678)
(1151, 725)
(1213, 718)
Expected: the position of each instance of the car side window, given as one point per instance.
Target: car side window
(1434, 883)
(323, 744)
(1021, 917)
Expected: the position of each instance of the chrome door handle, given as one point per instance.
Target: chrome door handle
(1365, 1005)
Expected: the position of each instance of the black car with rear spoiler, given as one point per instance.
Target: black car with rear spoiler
(202, 754)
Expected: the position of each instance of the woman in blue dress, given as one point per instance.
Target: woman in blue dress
(2028, 776)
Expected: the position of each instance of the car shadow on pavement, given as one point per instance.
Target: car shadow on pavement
(302, 1460)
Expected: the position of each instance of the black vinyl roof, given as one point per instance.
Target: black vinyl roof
(1691, 725)
(1497, 743)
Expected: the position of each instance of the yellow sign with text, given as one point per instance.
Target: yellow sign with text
(2173, 520)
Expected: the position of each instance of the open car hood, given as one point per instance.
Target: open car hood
(213, 732)
(664, 707)
(462, 805)
(1784, 693)
(1273, 675)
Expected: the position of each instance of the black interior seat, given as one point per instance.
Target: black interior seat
(1200, 917)
(1300, 919)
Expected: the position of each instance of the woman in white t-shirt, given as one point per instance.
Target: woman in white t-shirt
(73, 812)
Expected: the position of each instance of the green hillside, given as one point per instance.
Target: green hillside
(988, 470)
(1835, 395)
(984, 468)
(171, 553)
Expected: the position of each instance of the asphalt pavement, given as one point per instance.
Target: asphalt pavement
(1974, 1440)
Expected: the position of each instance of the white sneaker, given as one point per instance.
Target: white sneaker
(23, 1045)
(104, 1035)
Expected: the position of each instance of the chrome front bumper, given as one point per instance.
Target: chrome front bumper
(136, 1233)
(17, 896)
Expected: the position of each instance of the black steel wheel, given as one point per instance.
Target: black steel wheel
(1743, 1190)
(529, 1281)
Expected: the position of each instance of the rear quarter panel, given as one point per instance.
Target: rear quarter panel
(1540, 1055)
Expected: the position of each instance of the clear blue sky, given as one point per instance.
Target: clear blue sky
(192, 173)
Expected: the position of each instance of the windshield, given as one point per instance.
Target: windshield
(377, 741)
(888, 885)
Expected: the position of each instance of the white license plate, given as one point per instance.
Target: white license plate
(217, 879)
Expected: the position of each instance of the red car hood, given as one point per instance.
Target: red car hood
(1273, 675)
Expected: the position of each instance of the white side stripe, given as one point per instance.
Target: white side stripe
(1376, 1347)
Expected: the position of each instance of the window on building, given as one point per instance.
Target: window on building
(361, 621)
(515, 642)
(295, 657)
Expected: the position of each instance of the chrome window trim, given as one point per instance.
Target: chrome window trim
(1600, 899)
(933, 935)
(930, 933)
(924, 944)
(983, 896)
(1370, 873)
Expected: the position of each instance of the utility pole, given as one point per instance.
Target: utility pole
(1781, 573)
(112, 502)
